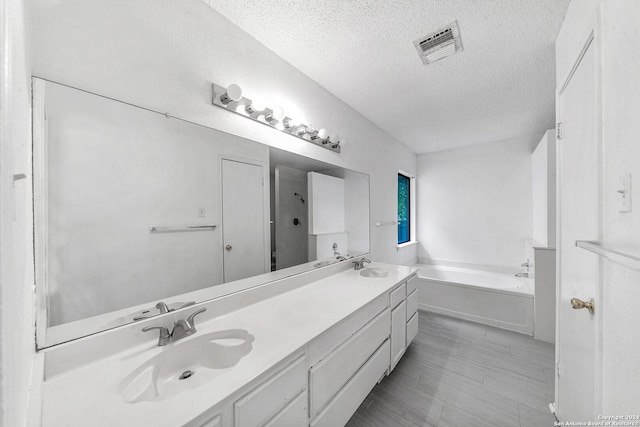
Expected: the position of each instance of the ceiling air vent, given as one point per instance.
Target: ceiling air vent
(439, 44)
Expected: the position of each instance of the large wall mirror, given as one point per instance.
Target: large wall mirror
(137, 213)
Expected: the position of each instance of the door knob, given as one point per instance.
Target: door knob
(577, 304)
(228, 247)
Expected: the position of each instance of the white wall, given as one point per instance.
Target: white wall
(16, 262)
(618, 67)
(474, 203)
(543, 178)
(163, 55)
(621, 336)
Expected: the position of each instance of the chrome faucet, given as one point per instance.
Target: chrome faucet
(164, 308)
(359, 263)
(181, 328)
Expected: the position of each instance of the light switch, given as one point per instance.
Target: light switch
(625, 193)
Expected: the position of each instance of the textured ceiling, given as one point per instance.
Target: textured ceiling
(501, 86)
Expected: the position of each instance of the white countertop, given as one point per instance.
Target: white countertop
(281, 325)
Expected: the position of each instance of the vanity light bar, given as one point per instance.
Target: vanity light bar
(231, 99)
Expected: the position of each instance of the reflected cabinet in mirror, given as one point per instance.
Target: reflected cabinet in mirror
(137, 214)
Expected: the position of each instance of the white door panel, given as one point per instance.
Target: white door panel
(243, 220)
(578, 271)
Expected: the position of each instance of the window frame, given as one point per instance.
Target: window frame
(411, 210)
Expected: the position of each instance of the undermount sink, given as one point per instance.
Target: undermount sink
(375, 272)
(185, 365)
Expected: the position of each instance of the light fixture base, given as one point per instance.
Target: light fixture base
(240, 107)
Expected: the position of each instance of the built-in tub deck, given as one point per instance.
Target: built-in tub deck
(492, 298)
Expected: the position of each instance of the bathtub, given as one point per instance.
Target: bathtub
(493, 298)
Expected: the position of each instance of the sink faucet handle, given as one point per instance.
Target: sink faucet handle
(190, 319)
(165, 336)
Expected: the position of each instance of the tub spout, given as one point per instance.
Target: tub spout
(525, 275)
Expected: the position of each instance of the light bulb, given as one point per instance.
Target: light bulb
(334, 138)
(322, 133)
(343, 143)
(233, 93)
(278, 113)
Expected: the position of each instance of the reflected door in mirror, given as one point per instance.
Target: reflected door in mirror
(243, 216)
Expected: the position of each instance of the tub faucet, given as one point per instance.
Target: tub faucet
(526, 265)
(359, 264)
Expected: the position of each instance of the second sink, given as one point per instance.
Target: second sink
(375, 272)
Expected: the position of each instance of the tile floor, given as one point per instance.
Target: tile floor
(463, 374)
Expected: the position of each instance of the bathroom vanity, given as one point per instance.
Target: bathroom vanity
(305, 350)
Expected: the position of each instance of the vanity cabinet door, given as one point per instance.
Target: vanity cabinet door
(398, 333)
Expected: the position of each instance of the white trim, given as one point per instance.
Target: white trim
(405, 244)
(412, 209)
(40, 209)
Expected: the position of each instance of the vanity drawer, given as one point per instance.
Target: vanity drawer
(272, 395)
(412, 285)
(328, 376)
(345, 403)
(412, 328)
(397, 295)
(214, 422)
(412, 305)
(331, 339)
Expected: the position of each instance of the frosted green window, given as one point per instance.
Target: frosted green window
(404, 209)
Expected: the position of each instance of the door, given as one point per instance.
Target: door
(578, 219)
(243, 220)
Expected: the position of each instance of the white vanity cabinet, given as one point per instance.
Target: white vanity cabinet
(341, 378)
(317, 352)
(403, 301)
(412, 309)
(280, 400)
